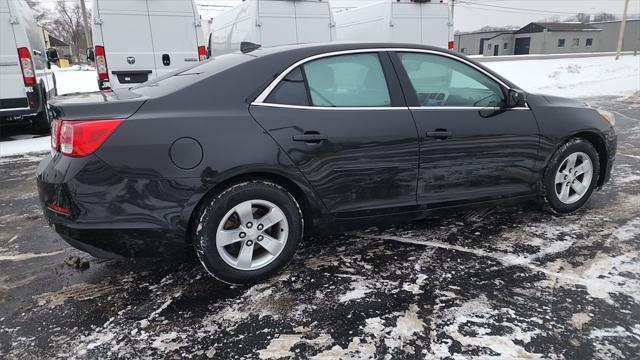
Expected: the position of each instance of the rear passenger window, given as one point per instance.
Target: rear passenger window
(347, 81)
(290, 91)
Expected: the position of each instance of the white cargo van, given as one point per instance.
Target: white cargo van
(403, 21)
(272, 23)
(138, 40)
(26, 83)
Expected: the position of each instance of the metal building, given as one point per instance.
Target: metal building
(550, 38)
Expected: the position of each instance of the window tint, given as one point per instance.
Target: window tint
(589, 42)
(347, 81)
(290, 91)
(442, 81)
(561, 43)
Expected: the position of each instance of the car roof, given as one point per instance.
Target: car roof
(340, 46)
(302, 51)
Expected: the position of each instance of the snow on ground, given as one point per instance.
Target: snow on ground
(76, 79)
(25, 146)
(574, 77)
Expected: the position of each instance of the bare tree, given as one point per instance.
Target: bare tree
(605, 17)
(66, 23)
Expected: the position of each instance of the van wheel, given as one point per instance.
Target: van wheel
(248, 232)
(571, 177)
(41, 122)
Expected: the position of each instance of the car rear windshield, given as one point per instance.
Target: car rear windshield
(183, 77)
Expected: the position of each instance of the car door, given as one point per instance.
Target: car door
(470, 149)
(343, 121)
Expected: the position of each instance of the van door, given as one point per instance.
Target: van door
(276, 21)
(126, 37)
(312, 21)
(174, 34)
(12, 92)
(405, 19)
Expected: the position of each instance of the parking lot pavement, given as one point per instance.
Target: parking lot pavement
(495, 282)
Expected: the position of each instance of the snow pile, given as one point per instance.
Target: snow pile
(573, 77)
(25, 146)
(77, 78)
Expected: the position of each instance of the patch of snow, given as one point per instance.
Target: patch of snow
(27, 256)
(25, 146)
(358, 290)
(573, 77)
(76, 79)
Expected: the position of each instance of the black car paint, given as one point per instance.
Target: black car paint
(130, 198)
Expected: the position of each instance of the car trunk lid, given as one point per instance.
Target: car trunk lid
(116, 104)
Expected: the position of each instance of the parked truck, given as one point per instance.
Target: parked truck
(26, 81)
(404, 21)
(138, 40)
(272, 23)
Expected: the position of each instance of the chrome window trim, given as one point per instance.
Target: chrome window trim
(304, 107)
(465, 108)
(260, 100)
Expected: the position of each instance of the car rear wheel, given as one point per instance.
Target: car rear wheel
(571, 177)
(248, 232)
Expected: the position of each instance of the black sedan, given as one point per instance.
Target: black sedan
(242, 155)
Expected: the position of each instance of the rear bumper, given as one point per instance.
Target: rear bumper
(110, 216)
(15, 108)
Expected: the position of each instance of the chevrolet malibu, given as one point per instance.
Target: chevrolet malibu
(239, 157)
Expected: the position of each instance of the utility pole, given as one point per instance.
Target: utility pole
(87, 30)
(622, 26)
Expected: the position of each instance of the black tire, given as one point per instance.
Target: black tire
(213, 213)
(552, 202)
(41, 122)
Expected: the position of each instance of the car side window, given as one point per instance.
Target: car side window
(355, 80)
(290, 91)
(440, 81)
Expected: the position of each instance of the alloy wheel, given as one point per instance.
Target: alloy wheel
(252, 234)
(573, 177)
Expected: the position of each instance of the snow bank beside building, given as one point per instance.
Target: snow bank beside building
(574, 77)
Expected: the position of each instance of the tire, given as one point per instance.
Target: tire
(223, 237)
(41, 122)
(563, 191)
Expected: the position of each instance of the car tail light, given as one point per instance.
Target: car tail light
(101, 63)
(55, 134)
(82, 138)
(450, 45)
(202, 53)
(28, 72)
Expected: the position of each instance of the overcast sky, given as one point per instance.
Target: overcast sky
(474, 14)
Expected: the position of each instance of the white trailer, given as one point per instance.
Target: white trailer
(138, 40)
(399, 21)
(272, 23)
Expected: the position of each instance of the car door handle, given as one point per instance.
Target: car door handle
(311, 137)
(439, 134)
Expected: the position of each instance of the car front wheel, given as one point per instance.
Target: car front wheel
(571, 176)
(248, 232)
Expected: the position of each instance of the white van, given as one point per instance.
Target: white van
(138, 40)
(402, 21)
(271, 23)
(26, 81)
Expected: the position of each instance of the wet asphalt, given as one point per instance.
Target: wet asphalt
(489, 283)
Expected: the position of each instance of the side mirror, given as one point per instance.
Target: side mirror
(52, 55)
(90, 55)
(515, 98)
